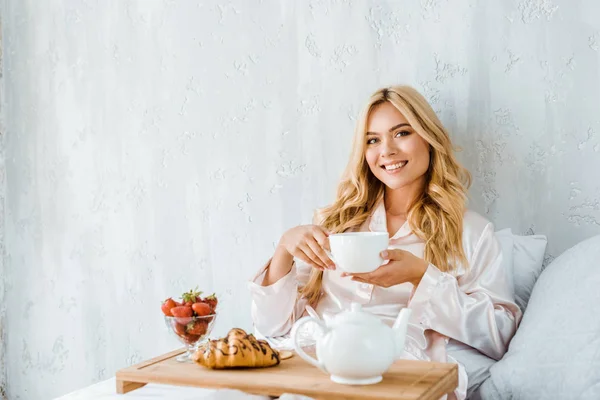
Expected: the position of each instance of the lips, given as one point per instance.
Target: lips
(392, 167)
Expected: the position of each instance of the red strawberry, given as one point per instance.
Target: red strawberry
(167, 305)
(190, 339)
(197, 327)
(182, 314)
(180, 329)
(201, 309)
(189, 298)
(212, 301)
(182, 311)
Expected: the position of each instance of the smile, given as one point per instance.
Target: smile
(391, 168)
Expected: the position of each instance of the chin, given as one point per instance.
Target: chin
(395, 183)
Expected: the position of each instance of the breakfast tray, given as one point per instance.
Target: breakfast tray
(404, 380)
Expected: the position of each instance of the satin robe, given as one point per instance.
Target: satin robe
(472, 308)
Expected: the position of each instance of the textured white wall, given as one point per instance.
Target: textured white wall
(155, 145)
(3, 394)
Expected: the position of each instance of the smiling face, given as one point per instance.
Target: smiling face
(397, 155)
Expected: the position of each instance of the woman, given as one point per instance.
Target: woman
(444, 261)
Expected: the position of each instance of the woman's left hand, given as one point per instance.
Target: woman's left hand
(403, 267)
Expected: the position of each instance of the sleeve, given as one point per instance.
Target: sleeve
(276, 307)
(477, 308)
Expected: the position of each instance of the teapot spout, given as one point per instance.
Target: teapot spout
(400, 327)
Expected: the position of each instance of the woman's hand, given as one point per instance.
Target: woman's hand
(403, 267)
(307, 242)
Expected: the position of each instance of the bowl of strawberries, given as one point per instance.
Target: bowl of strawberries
(190, 319)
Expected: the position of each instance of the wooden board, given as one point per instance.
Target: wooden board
(404, 380)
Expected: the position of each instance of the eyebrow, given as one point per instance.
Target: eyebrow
(393, 128)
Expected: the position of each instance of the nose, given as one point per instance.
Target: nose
(388, 148)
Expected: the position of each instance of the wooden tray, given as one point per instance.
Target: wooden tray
(404, 380)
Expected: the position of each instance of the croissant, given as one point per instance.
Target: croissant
(237, 350)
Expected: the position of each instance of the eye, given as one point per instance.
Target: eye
(372, 141)
(402, 133)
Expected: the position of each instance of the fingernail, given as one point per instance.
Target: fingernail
(384, 254)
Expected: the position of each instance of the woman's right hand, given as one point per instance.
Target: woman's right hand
(308, 243)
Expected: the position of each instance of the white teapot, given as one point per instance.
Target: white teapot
(356, 347)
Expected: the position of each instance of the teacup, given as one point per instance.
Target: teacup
(358, 252)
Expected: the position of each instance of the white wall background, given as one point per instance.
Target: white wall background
(152, 146)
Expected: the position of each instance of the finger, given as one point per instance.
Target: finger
(311, 254)
(370, 277)
(357, 279)
(325, 244)
(300, 255)
(320, 253)
(321, 236)
(365, 275)
(392, 254)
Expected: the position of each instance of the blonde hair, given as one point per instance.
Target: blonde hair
(436, 216)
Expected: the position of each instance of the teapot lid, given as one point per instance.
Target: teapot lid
(355, 316)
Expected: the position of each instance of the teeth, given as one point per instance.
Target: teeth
(395, 166)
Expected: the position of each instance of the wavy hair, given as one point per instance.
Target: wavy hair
(436, 216)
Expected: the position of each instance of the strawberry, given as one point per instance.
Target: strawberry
(190, 339)
(201, 309)
(182, 311)
(197, 327)
(167, 305)
(212, 302)
(182, 314)
(180, 329)
(189, 298)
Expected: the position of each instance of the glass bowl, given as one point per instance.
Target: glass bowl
(191, 331)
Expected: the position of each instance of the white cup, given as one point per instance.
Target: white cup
(358, 252)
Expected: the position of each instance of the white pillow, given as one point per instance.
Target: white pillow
(555, 353)
(477, 365)
(522, 258)
(527, 261)
(506, 239)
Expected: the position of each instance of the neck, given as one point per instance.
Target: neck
(398, 201)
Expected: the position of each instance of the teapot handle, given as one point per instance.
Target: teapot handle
(298, 348)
